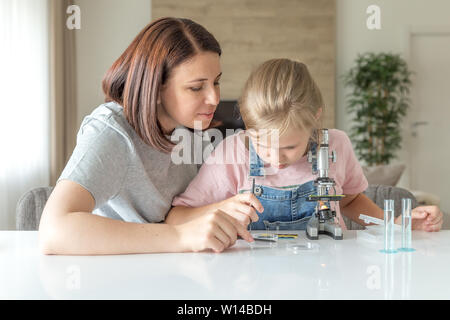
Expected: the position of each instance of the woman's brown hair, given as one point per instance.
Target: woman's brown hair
(134, 81)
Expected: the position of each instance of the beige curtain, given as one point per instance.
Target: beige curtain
(62, 88)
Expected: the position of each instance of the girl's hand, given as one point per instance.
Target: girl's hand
(216, 230)
(242, 207)
(425, 218)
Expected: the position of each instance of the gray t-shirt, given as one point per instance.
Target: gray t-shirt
(128, 179)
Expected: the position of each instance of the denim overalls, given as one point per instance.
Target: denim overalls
(286, 207)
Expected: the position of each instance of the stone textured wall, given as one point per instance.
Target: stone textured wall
(252, 31)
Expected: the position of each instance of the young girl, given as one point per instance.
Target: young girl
(280, 95)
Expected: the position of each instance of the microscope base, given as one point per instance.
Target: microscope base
(329, 228)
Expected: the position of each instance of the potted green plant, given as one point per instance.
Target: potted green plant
(379, 100)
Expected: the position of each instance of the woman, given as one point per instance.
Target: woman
(121, 167)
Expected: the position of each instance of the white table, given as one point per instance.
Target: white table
(346, 269)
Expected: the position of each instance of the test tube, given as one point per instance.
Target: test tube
(406, 225)
(389, 240)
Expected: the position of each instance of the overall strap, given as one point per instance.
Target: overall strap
(256, 165)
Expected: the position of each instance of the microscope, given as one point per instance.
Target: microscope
(323, 219)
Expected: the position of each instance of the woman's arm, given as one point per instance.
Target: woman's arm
(68, 227)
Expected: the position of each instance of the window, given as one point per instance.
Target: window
(24, 102)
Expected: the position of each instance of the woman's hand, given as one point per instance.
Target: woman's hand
(216, 230)
(242, 207)
(425, 218)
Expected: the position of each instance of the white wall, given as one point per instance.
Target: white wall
(107, 28)
(353, 37)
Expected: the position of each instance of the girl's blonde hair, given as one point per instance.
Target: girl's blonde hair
(281, 94)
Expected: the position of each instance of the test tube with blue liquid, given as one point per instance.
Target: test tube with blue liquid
(406, 226)
(389, 239)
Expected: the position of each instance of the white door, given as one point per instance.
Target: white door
(429, 134)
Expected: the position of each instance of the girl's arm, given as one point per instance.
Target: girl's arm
(68, 227)
(423, 218)
(427, 218)
(355, 204)
(241, 207)
(215, 188)
(180, 214)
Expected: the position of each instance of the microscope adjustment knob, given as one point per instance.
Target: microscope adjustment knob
(333, 156)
